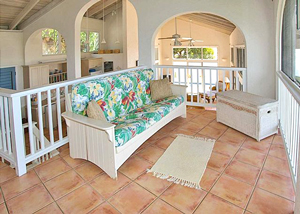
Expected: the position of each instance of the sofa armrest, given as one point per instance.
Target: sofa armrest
(179, 90)
(98, 124)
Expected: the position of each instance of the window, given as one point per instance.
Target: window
(53, 42)
(179, 53)
(195, 56)
(197, 53)
(290, 38)
(90, 44)
(8, 78)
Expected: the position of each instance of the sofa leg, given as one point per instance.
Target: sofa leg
(113, 175)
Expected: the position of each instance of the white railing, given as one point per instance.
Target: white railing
(204, 82)
(24, 143)
(289, 117)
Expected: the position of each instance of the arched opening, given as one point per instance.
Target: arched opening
(202, 40)
(101, 38)
(44, 45)
(198, 30)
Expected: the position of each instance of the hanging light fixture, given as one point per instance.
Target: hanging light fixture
(103, 40)
(117, 19)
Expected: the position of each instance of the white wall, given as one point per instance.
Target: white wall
(33, 48)
(210, 38)
(12, 53)
(113, 31)
(255, 18)
(237, 38)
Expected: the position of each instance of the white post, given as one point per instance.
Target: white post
(17, 138)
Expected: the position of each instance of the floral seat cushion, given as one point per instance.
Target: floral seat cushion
(117, 95)
(138, 120)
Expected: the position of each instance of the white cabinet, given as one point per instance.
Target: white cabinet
(35, 76)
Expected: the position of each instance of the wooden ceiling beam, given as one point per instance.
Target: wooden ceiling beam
(23, 13)
(40, 13)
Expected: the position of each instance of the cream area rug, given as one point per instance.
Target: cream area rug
(185, 160)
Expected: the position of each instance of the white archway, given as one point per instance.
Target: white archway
(252, 19)
(171, 18)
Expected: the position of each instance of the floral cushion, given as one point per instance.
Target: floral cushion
(138, 120)
(117, 95)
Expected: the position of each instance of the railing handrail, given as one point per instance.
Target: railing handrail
(292, 87)
(201, 67)
(15, 93)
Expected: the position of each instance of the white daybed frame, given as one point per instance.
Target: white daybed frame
(94, 140)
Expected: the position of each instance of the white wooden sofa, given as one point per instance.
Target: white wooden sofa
(94, 140)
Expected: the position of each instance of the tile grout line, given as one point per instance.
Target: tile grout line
(221, 173)
(259, 175)
(4, 201)
(48, 193)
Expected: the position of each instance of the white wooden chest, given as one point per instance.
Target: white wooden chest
(250, 114)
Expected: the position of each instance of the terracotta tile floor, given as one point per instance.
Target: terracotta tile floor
(243, 176)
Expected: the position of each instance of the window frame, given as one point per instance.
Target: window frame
(290, 73)
(87, 37)
(189, 59)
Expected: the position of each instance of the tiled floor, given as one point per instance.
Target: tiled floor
(242, 176)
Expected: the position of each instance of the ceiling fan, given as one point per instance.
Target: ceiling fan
(190, 39)
(174, 37)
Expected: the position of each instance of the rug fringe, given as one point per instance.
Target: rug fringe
(197, 138)
(175, 180)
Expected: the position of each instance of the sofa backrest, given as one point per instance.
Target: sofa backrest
(117, 95)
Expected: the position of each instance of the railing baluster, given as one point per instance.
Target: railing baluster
(173, 77)
(30, 128)
(7, 126)
(231, 80)
(217, 81)
(203, 85)
(210, 87)
(244, 80)
(198, 86)
(237, 80)
(41, 125)
(50, 118)
(185, 70)
(168, 74)
(58, 114)
(161, 73)
(17, 128)
(3, 132)
(224, 86)
(179, 79)
(192, 91)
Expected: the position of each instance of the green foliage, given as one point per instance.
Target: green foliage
(208, 53)
(53, 42)
(179, 53)
(194, 53)
(94, 41)
(82, 41)
(93, 45)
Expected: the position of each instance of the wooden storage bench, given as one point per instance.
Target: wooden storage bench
(250, 114)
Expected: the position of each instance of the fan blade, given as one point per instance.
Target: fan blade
(187, 38)
(198, 40)
(165, 38)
